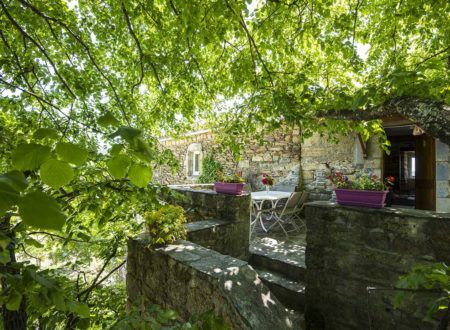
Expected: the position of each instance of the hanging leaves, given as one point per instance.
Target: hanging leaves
(42, 133)
(118, 166)
(56, 173)
(71, 153)
(108, 120)
(30, 156)
(140, 175)
(41, 211)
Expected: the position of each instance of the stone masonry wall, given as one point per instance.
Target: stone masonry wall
(232, 236)
(278, 156)
(319, 157)
(442, 177)
(350, 249)
(193, 280)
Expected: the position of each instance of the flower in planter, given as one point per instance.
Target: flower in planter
(389, 181)
(361, 182)
(339, 180)
(267, 180)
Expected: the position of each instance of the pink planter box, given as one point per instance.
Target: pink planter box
(229, 188)
(366, 198)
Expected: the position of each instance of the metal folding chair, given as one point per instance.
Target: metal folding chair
(289, 214)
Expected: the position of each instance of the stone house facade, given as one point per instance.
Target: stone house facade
(294, 164)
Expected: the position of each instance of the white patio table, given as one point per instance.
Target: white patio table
(258, 198)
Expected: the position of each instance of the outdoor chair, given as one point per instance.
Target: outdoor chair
(289, 213)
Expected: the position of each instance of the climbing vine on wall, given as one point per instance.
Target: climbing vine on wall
(211, 169)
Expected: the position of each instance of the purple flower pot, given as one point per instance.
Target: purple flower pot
(229, 188)
(365, 198)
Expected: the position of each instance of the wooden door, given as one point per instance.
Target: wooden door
(425, 181)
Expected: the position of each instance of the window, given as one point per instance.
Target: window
(193, 161)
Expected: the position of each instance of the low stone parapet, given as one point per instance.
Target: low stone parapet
(231, 214)
(354, 257)
(193, 280)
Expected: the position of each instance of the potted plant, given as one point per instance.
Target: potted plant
(165, 225)
(230, 184)
(366, 190)
(267, 181)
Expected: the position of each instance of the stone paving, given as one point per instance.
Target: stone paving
(276, 245)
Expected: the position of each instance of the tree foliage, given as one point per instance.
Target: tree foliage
(88, 86)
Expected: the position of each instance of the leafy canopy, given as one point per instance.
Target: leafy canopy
(88, 86)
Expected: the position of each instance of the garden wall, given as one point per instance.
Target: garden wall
(350, 249)
(442, 177)
(217, 221)
(278, 156)
(193, 280)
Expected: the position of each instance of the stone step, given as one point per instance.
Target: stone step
(281, 257)
(206, 225)
(219, 235)
(289, 292)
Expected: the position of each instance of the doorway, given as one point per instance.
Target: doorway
(412, 163)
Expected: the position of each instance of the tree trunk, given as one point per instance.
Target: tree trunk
(16, 320)
(432, 116)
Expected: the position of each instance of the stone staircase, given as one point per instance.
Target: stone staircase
(281, 266)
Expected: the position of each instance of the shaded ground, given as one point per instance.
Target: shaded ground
(277, 245)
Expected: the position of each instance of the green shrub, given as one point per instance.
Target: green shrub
(210, 170)
(165, 225)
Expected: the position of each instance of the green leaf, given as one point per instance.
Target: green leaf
(30, 156)
(8, 197)
(40, 210)
(126, 133)
(84, 237)
(116, 149)
(15, 179)
(108, 120)
(56, 173)
(118, 166)
(42, 133)
(140, 175)
(14, 300)
(71, 153)
(81, 309)
(33, 242)
(5, 257)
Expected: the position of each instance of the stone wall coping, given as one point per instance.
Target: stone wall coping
(203, 191)
(401, 212)
(204, 224)
(190, 254)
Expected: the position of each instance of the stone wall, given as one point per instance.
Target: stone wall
(193, 280)
(231, 234)
(350, 249)
(278, 156)
(320, 156)
(442, 177)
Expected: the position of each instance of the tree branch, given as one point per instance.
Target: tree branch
(94, 283)
(38, 45)
(251, 41)
(432, 116)
(87, 50)
(138, 45)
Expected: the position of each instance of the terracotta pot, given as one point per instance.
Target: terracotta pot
(229, 188)
(365, 198)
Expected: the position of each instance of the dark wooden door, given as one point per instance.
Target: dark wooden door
(425, 181)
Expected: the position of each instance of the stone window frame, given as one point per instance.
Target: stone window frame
(193, 150)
